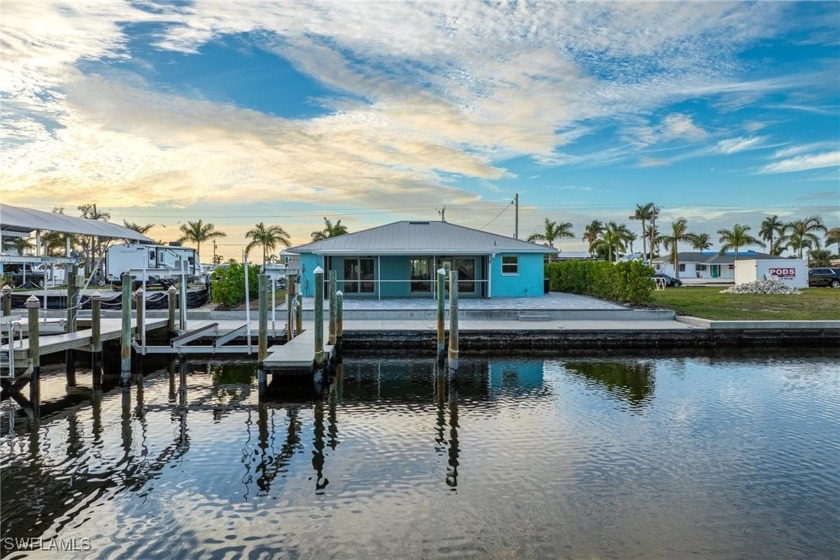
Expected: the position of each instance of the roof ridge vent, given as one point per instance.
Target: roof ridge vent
(419, 223)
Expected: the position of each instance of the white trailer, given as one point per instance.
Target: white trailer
(161, 263)
(791, 272)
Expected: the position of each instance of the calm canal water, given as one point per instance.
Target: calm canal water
(522, 458)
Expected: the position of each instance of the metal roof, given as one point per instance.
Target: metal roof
(16, 219)
(709, 257)
(420, 238)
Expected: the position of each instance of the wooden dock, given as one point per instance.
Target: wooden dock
(222, 333)
(79, 340)
(296, 355)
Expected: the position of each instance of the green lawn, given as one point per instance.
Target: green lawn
(709, 303)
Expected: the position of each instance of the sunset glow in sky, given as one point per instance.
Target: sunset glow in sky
(238, 112)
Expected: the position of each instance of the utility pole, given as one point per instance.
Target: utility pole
(516, 227)
(654, 215)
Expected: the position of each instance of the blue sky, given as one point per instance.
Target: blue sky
(370, 112)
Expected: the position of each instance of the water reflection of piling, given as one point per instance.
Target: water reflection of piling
(454, 449)
(170, 367)
(318, 445)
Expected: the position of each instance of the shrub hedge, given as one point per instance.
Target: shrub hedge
(622, 282)
(227, 285)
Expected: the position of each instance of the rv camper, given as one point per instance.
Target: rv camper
(161, 263)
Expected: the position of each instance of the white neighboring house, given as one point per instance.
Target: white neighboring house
(706, 264)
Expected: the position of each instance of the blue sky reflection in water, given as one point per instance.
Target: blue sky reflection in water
(579, 458)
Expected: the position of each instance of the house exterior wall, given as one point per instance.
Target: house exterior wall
(394, 273)
(528, 282)
(698, 270)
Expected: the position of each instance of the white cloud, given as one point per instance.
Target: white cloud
(803, 163)
(653, 162)
(735, 145)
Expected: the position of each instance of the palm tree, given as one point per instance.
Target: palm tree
(654, 238)
(553, 231)
(198, 232)
(819, 257)
(643, 212)
(833, 236)
(137, 227)
(736, 238)
(19, 244)
(91, 245)
(772, 228)
(330, 230)
(701, 241)
(612, 240)
(679, 234)
(268, 237)
(801, 234)
(591, 234)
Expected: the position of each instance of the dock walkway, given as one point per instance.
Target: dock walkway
(297, 355)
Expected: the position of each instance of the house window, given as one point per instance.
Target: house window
(682, 267)
(731, 267)
(358, 276)
(510, 265)
(701, 267)
(420, 270)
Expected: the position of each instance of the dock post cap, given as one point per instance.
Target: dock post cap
(139, 292)
(441, 271)
(6, 289)
(95, 295)
(171, 290)
(339, 293)
(318, 270)
(32, 301)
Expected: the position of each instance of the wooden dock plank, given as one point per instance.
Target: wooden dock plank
(298, 354)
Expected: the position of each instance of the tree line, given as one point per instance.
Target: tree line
(609, 240)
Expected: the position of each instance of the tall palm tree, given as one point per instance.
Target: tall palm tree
(833, 236)
(736, 238)
(612, 240)
(268, 237)
(679, 234)
(139, 228)
(654, 238)
(330, 230)
(591, 234)
(701, 241)
(772, 228)
(552, 232)
(801, 234)
(644, 212)
(198, 232)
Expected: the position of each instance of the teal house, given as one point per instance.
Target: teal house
(400, 260)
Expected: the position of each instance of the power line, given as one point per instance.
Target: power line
(497, 215)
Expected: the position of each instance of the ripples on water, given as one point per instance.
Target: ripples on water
(522, 458)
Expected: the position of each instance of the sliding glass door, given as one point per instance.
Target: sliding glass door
(359, 276)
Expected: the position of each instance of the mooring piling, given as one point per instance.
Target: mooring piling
(453, 320)
(339, 316)
(138, 305)
(125, 335)
(441, 311)
(332, 306)
(291, 301)
(171, 298)
(319, 317)
(72, 297)
(7, 300)
(96, 338)
(33, 305)
(298, 313)
(262, 335)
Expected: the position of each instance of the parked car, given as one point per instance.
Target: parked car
(670, 281)
(824, 277)
(15, 273)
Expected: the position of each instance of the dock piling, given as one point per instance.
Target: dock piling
(339, 316)
(441, 311)
(453, 321)
(138, 305)
(262, 336)
(7, 300)
(72, 299)
(33, 305)
(291, 300)
(319, 317)
(171, 298)
(298, 313)
(125, 335)
(96, 338)
(332, 307)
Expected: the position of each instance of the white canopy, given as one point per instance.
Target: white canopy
(14, 219)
